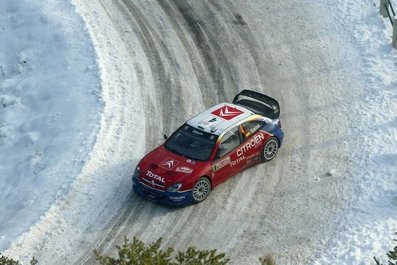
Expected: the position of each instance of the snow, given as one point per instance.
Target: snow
(50, 108)
(68, 121)
(369, 226)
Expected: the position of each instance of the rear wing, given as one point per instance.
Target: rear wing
(258, 103)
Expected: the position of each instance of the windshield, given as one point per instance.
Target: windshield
(192, 143)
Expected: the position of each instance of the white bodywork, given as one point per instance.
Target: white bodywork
(220, 117)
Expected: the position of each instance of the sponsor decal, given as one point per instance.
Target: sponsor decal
(238, 160)
(222, 163)
(257, 139)
(251, 156)
(186, 170)
(227, 112)
(169, 163)
(154, 177)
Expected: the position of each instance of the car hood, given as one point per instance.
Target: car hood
(162, 168)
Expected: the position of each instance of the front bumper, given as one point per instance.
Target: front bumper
(162, 197)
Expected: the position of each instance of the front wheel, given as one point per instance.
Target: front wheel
(201, 190)
(270, 149)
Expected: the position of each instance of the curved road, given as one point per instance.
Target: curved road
(194, 54)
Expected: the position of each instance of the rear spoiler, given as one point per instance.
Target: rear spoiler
(258, 103)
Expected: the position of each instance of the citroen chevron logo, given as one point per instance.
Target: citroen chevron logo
(168, 163)
(227, 112)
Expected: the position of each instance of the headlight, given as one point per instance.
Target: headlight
(175, 188)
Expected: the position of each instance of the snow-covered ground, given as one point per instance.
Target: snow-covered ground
(50, 108)
(70, 114)
(369, 227)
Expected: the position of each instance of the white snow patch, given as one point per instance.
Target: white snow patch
(370, 224)
(49, 108)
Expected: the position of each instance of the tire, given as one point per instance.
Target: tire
(270, 149)
(201, 190)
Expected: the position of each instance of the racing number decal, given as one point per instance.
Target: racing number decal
(221, 164)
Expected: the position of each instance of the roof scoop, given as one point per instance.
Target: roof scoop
(209, 123)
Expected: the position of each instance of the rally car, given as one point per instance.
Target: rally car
(209, 148)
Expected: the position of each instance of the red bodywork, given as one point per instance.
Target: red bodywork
(161, 168)
(209, 148)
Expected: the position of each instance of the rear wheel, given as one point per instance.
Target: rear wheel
(201, 190)
(270, 149)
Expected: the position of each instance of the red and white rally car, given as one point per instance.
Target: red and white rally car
(209, 148)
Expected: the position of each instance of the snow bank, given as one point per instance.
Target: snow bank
(370, 224)
(49, 108)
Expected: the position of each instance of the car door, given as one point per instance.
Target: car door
(227, 160)
(253, 141)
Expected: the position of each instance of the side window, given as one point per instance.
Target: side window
(250, 127)
(229, 141)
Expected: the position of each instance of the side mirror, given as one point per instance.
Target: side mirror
(165, 136)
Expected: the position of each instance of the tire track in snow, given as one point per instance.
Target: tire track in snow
(166, 83)
(138, 216)
(198, 46)
(201, 69)
(189, 220)
(150, 45)
(211, 53)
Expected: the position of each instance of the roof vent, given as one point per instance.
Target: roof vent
(210, 123)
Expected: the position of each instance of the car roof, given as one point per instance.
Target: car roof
(220, 117)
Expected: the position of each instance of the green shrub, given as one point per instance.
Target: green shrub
(194, 256)
(138, 253)
(8, 261)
